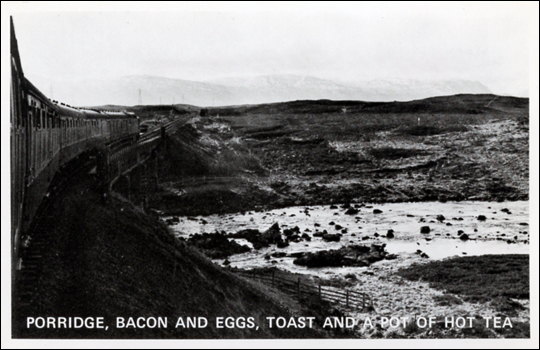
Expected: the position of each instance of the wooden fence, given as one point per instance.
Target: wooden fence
(299, 288)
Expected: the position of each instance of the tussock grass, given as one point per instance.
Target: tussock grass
(476, 278)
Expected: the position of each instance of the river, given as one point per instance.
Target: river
(505, 221)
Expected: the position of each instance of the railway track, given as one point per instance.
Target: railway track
(35, 243)
(38, 238)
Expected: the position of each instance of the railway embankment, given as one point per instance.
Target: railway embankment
(110, 259)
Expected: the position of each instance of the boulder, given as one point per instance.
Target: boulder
(351, 211)
(376, 247)
(332, 258)
(377, 211)
(481, 217)
(332, 237)
(440, 217)
(425, 229)
(272, 235)
(216, 245)
(464, 237)
(288, 232)
(390, 234)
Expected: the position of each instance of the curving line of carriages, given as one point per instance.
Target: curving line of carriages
(46, 135)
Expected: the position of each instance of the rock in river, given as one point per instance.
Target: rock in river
(332, 237)
(351, 211)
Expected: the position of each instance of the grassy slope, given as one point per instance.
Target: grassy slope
(489, 278)
(112, 260)
(476, 278)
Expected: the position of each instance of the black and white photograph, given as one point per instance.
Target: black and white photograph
(332, 174)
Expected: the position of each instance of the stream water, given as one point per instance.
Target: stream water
(505, 222)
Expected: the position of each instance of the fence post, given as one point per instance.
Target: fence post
(363, 301)
(347, 301)
(273, 273)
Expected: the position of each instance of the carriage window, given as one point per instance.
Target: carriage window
(37, 118)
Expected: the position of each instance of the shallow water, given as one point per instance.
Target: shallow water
(405, 219)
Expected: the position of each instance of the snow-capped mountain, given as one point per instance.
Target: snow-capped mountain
(246, 90)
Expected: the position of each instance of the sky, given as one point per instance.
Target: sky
(484, 42)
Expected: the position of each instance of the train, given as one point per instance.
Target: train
(45, 135)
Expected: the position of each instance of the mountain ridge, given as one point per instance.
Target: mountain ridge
(248, 90)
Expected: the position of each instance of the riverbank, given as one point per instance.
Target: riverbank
(491, 228)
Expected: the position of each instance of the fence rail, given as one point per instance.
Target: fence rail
(297, 287)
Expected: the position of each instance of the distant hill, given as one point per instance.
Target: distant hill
(254, 90)
(454, 104)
